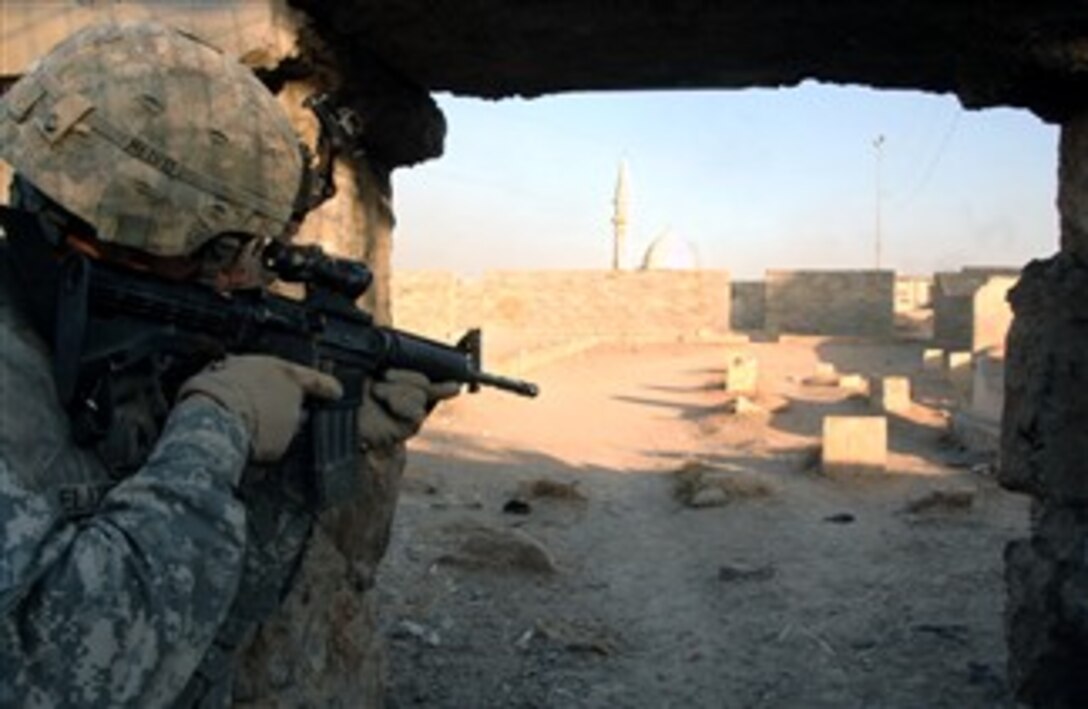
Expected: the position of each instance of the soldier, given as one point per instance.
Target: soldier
(132, 568)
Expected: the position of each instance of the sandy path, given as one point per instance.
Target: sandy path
(893, 609)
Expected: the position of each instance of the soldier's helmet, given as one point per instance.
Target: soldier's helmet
(155, 138)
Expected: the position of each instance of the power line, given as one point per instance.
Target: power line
(927, 173)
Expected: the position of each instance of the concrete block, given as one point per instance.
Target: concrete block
(853, 444)
(932, 360)
(742, 374)
(956, 360)
(854, 383)
(959, 374)
(825, 375)
(891, 394)
(743, 406)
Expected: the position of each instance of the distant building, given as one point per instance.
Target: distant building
(670, 252)
(620, 204)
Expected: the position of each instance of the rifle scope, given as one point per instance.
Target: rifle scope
(308, 264)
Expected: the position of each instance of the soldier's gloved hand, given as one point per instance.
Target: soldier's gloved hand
(395, 406)
(267, 393)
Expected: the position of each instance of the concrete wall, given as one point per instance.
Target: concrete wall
(831, 302)
(550, 306)
(953, 294)
(748, 309)
(969, 300)
(991, 315)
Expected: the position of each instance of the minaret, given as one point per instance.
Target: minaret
(619, 217)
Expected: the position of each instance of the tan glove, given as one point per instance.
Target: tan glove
(394, 407)
(267, 393)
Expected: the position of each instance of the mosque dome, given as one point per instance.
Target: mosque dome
(670, 252)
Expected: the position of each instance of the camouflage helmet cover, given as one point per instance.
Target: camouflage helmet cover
(155, 138)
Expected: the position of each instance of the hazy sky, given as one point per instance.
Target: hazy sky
(753, 179)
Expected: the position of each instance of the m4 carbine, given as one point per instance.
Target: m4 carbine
(108, 319)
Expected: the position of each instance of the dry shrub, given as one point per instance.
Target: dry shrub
(551, 489)
(697, 484)
(941, 500)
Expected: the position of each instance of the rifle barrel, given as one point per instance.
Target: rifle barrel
(517, 386)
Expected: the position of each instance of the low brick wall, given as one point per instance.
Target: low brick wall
(831, 302)
(546, 307)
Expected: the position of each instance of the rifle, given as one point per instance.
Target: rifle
(108, 319)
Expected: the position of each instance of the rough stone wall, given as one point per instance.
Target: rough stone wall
(1044, 444)
(539, 307)
(322, 648)
(748, 309)
(831, 302)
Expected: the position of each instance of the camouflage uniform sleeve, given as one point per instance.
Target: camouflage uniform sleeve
(119, 607)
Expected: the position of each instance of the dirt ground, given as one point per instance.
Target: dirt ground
(542, 557)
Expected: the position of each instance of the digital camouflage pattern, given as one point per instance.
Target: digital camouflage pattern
(195, 145)
(137, 589)
(109, 594)
(131, 592)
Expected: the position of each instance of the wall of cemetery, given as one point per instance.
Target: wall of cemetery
(539, 307)
(830, 302)
(549, 306)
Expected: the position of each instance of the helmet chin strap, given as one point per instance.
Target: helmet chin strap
(63, 231)
(340, 132)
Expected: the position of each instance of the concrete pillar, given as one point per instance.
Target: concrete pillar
(1044, 446)
(323, 647)
(891, 394)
